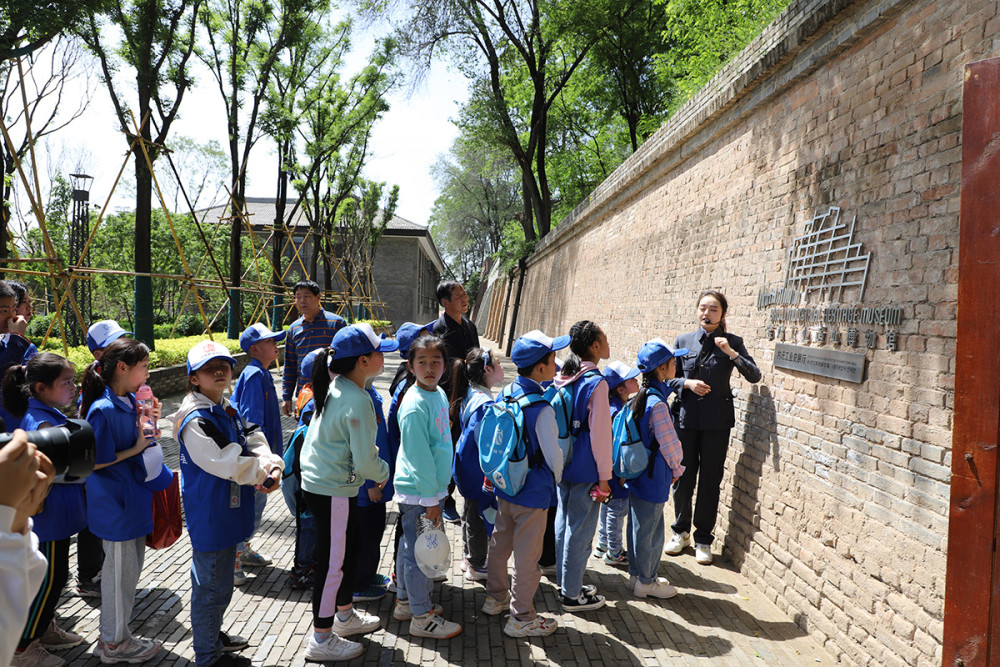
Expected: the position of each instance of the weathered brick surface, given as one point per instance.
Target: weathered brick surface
(835, 500)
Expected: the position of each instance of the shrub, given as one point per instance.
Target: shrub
(38, 325)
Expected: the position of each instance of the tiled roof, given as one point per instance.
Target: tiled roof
(261, 211)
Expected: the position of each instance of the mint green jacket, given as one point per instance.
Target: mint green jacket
(339, 452)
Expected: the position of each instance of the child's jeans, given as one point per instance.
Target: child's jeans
(609, 526)
(211, 591)
(645, 539)
(411, 583)
(576, 523)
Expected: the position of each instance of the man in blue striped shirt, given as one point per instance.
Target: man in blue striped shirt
(312, 331)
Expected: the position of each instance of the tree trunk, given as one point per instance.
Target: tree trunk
(143, 258)
(277, 285)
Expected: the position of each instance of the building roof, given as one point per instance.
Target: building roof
(262, 212)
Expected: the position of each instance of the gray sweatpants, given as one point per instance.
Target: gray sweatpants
(119, 579)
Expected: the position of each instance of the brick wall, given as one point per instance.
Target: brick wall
(835, 500)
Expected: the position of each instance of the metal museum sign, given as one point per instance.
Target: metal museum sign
(826, 267)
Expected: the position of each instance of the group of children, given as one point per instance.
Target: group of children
(345, 462)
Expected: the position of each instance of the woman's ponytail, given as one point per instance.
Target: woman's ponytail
(14, 391)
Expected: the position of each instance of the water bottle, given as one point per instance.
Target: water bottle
(144, 400)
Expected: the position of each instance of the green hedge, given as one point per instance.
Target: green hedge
(168, 352)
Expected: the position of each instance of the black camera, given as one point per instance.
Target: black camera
(71, 447)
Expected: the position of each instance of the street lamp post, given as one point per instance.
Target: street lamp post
(79, 232)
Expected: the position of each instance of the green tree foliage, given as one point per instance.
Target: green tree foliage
(703, 35)
(157, 40)
(27, 25)
(480, 194)
(361, 221)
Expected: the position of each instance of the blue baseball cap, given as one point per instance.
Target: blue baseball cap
(307, 364)
(655, 352)
(533, 346)
(616, 372)
(409, 332)
(358, 339)
(103, 333)
(204, 352)
(256, 333)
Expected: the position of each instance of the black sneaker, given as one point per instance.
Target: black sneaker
(450, 512)
(231, 660)
(583, 602)
(89, 589)
(301, 580)
(231, 643)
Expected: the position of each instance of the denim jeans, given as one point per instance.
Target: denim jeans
(211, 591)
(576, 521)
(411, 583)
(609, 526)
(305, 526)
(645, 539)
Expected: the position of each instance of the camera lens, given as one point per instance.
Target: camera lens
(71, 448)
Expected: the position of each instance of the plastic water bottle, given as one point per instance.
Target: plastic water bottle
(144, 400)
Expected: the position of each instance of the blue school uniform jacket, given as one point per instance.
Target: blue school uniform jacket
(385, 452)
(64, 511)
(119, 502)
(653, 486)
(256, 400)
(540, 484)
(582, 467)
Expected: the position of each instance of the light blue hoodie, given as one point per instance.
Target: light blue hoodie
(423, 466)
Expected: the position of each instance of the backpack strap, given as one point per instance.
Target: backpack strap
(654, 447)
(584, 424)
(524, 401)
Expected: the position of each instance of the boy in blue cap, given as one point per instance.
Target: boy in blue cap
(521, 518)
(256, 400)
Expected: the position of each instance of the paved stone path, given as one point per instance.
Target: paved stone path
(717, 618)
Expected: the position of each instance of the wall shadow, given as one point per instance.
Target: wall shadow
(760, 439)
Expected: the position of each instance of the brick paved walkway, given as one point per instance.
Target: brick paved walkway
(717, 618)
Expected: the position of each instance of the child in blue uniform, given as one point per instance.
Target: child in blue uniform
(368, 583)
(223, 460)
(649, 491)
(338, 455)
(622, 384)
(589, 468)
(128, 469)
(33, 393)
(472, 382)
(255, 398)
(521, 518)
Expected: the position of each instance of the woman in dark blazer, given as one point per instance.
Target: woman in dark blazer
(704, 416)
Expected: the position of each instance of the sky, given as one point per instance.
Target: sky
(405, 143)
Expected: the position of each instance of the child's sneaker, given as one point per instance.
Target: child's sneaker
(133, 650)
(333, 648)
(658, 588)
(583, 602)
(90, 588)
(251, 558)
(392, 583)
(536, 627)
(493, 607)
(433, 626)
(358, 624)
(239, 576)
(600, 550)
(402, 611)
(57, 639)
(616, 558)
(299, 579)
(36, 656)
(232, 643)
(380, 580)
(370, 593)
(473, 573)
(677, 543)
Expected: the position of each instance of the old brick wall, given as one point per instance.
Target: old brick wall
(835, 501)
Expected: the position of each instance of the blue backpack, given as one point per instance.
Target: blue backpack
(562, 400)
(503, 442)
(630, 456)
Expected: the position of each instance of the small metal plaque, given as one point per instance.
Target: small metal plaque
(848, 366)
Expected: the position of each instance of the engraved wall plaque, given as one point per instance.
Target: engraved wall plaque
(829, 363)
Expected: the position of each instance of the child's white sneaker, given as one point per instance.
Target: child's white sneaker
(433, 626)
(677, 543)
(658, 588)
(332, 648)
(358, 624)
(402, 611)
(703, 554)
(539, 626)
(492, 606)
